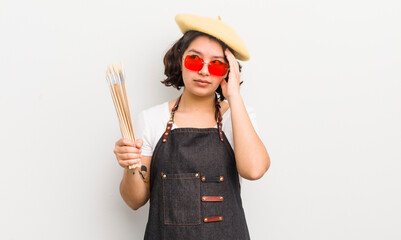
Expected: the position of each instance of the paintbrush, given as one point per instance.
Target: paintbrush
(115, 77)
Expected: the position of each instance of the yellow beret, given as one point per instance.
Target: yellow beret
(216, 28)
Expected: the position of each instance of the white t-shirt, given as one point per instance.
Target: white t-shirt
(151, 124)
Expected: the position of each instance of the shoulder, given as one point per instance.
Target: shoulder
(157, 109)
(162, 108)
(152, 118)
(154, 114)
(149, 126)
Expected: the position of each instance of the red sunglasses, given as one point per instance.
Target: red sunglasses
(215, 67)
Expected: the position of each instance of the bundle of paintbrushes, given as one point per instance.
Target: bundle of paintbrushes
(115, 77)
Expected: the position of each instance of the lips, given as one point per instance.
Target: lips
(202, 81)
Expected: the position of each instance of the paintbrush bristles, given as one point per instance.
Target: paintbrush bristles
(115, 77)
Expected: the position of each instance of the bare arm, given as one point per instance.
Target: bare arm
(250, 152)
(251, 155)
(133, 188)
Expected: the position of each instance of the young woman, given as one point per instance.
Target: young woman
(194, 148)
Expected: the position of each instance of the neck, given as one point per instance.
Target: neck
(190, 102)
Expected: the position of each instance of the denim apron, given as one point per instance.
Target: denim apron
(194, 186)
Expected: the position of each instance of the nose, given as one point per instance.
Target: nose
(204, 71)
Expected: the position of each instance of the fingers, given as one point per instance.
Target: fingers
(129, 156)
(126, 149)
(139, 143)
(230, 56)
(127, 159)
(128, 152)
(125, 142)
(232, 61)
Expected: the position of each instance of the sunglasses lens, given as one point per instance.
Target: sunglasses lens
(218, 68)
(193, 63)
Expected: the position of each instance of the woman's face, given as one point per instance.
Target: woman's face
(202, 83)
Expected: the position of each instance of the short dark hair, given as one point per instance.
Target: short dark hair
(173, 57)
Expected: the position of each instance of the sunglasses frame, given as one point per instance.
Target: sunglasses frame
(227, 67)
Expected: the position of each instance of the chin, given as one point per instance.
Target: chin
(202, 92)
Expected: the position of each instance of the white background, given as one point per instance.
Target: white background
(324, 78)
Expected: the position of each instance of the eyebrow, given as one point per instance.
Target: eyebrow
(197, 52)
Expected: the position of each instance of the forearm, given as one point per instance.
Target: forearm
(251, 155)
(133, 189)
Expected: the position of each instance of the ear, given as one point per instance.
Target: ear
(227, 73)
(226, 76)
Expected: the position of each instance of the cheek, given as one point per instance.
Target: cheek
(217, 81)
(186, 74)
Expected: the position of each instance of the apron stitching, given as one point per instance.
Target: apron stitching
(164, 205)
(193, 132)
(181, 178)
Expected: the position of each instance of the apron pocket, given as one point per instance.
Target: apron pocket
(181, 198)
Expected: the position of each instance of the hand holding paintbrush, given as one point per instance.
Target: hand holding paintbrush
(115, 77)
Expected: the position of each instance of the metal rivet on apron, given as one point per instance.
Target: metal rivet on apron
(203, 179)
(221, 179)
(203, 199)
(220, 218)
(205, 220)
(221, 198)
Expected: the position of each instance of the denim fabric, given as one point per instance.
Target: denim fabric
(181, 194)
(176, 211)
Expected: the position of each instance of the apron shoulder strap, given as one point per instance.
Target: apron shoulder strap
(218, 117)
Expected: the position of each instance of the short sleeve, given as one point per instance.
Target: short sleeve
(143, 132)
